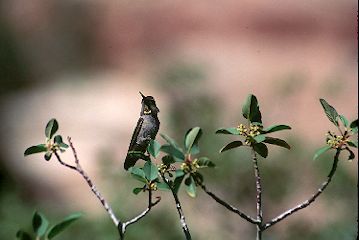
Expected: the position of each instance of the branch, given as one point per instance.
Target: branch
(258, 196)
(94, 189)
(141, 215)
(179, 209)
(225, 204)
(310, 200)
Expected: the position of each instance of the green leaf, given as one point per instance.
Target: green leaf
(177, 183)
(174, 152)
(169, 140)
(231, 130)
(205, 162)
(154, 148)
(137, 190)
(261, 149)
(275, 128)
(179, 173)
(167, 160)
(191, 187)
(259, 138)
(22, 235)
(351, 154)
(35, 149)
(151, 171)
(58, 228)
(344, 120)
(51, 128)
(320, 151)
(162, 186)
(277, 141)
(39, 224)
(138, 174)
(58, 140)
(250, 109)
(330, 112)
(48, 155)
(353, 143)
(231, 145)
(191, 140)
(354, 126)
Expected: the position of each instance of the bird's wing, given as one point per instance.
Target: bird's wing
(135, 133)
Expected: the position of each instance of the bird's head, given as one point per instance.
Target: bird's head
(148, 105)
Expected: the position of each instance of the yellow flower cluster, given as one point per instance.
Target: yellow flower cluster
(335, 141)
(250, 133)
(152, 186)
(190, 166)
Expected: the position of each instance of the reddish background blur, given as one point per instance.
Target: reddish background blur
(84, 62)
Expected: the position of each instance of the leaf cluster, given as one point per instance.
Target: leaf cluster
(52, 143)
(41, 228)
(343, 140)
(255, 134)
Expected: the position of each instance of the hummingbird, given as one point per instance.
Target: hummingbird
(145, 131)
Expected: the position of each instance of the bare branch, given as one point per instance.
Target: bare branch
(144, 213)
(94, 189)
(179, 209)
(311, 199)
(225, 204)
(258, 195)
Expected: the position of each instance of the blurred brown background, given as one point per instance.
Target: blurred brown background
(83, 62)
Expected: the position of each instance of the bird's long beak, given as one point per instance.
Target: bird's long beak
(143, 96)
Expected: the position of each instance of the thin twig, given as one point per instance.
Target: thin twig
(258, 195)
(93, 187)
(225, 204)
(311, 199)
(179, 209)
(144, 213)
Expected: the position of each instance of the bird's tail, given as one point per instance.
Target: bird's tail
(132, 157)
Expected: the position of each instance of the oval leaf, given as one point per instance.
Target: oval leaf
(191, 139)
(191, 187)
(177, 183)
(259, 138)
(351, 154)
(169, 140)
(353, 144)
(39, 224)
(151, 171)
(173, 151)
(275, 128)
(330, 112)
(277, 141)
(231, 130)
(354, 126)
(231, 145)
(48, 155)
(35, 149)
(154, 148)
(58, 228)
(167, 160)
(205, 162)
(261, 149)
(250, 109)
(162, 186)
(320, 151)
(137, 190)
(138, 174)
(344, 120)
(51, 128)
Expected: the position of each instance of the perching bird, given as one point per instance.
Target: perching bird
(146, 129)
